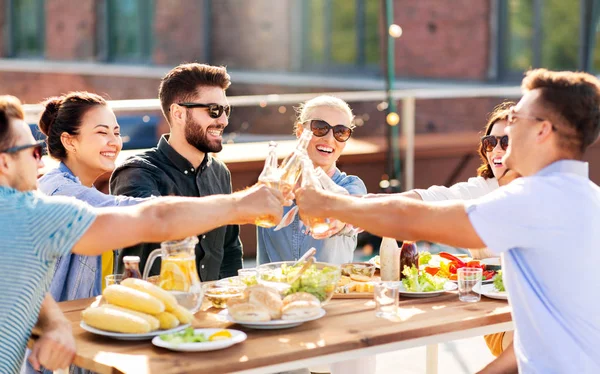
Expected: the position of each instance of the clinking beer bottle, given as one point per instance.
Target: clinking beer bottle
(316, 225)
(270, 176)
(291, 168)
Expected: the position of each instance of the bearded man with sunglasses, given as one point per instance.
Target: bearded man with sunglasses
(193, 101)
(538, 223)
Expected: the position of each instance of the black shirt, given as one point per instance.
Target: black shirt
(161, 171)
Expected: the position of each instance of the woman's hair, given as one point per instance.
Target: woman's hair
(64, 114)
(304, 110)
(500, 113)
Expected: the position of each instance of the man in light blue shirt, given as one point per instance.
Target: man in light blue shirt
(545, 225)
(37, 229)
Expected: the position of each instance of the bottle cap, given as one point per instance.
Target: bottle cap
(131, 259)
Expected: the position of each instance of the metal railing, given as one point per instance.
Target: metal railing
(407, 97)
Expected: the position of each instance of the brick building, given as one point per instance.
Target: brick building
(121, 48)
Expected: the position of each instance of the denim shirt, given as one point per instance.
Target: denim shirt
(290, 243)
(75, 276)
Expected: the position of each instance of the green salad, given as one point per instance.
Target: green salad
(498, 282)
(318, 282)
(184, 336)
(424, 257)
(416, 281)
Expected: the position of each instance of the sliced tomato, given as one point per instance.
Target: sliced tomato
(488, 274)
(475, 264)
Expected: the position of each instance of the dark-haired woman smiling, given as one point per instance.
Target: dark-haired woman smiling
(83, 134)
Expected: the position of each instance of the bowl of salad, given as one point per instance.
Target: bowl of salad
(320, 279)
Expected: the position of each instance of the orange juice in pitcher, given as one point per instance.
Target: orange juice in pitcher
(178, 273)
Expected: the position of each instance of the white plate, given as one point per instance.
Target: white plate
(488, 290)
(491, 261)
(448, 286)
(122, 336)
(272, 325)
(236, 337)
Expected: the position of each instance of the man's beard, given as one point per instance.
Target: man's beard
(198, 138)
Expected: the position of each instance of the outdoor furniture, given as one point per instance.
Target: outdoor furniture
(350, 330)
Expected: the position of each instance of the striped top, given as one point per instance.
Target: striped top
(34, 231)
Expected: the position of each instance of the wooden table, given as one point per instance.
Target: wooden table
(348, 331)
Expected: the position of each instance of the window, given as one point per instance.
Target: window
(341, 35)
(26, 28)
(544, 33)
(129, 29)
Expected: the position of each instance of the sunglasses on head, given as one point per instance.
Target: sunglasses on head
(214, 110)
(38, 149)
(489, 142)
(321, 128)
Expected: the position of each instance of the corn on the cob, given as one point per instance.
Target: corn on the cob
(115, 320)
(153, 321)
(133, 299)
(167, 298)
(167, 320)
(183, 315)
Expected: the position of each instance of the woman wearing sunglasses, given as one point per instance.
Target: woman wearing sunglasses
(330, 120)
(83, 134)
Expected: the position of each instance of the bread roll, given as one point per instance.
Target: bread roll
(268, 300)
(236, 300)
(298, 296)
(247, 312)
(257, 287)
(301, 309)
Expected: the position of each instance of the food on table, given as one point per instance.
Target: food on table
(251, 289)
(320, 279)
(409, 256)
(167, 320)
(186, 336)
(498, 282)
(488, 274)
(220, 335)
(247, 312)
(136, 310)
(421, 281)
(167, 298)
(360, 278)
(133, 299)
(115, 320)
(236, 300)
(300, 296)
(354, 284)
(300, 309)
(344, 280)
(218, 295)
(267, 300)
(358, 268)
(424, 258)
(152, 320)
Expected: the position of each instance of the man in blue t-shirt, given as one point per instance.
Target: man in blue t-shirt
(545, 224)
(37, 229)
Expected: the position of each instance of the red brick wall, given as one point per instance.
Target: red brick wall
(253, 35)
(179, 30)
(443, 39)
(71, 30)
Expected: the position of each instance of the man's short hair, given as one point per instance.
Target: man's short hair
(182, 83)
(10, 108)
(573, 97)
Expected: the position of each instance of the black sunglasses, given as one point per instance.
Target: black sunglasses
(321, 128)
(38, 149)
(489, 142)
(214, 110)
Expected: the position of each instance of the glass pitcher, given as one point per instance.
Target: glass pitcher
(178, 273)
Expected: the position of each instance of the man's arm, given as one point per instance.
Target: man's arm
(172, 218)
(55, 349)
(506, 363)
(395, 216)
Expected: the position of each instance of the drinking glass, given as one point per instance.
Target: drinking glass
(469, 284)
(113, 279)
(386, 299)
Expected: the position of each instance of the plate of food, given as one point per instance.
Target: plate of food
(135, 310)
(199, 340)
(261, 307)
(495, 290)
(419, 283)
(356, 282)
